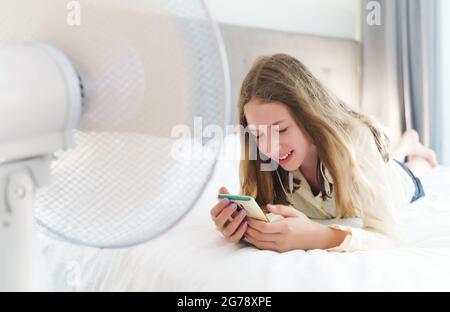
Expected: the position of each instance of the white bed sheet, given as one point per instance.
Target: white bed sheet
(193, 256)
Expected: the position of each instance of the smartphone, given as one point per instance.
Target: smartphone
(252, 208)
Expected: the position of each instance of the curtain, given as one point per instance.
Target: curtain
(440, 126)
(398, 58)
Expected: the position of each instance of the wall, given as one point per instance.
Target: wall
(330, 18)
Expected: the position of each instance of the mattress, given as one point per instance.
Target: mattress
(193, 255)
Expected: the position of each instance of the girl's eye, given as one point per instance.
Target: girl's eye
(281, 131)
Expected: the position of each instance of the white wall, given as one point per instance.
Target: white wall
(331, 18)
(442, 113)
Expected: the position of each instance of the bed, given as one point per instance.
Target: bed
(193, 256)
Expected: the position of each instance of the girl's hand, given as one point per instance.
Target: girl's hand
(295, 231)
(229, 220)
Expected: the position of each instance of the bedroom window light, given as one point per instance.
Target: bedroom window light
(441, 111)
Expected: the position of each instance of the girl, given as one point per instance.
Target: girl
(332, 163)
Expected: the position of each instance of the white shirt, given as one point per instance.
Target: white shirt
(393, 188)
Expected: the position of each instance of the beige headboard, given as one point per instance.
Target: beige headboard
(335, 62)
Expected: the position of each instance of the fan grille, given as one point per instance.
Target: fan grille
(146, 67)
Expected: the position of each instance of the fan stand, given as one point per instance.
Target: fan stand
(20, 262)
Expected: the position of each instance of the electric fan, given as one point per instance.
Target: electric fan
(121, 82)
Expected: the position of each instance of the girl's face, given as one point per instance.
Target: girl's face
(293, 148)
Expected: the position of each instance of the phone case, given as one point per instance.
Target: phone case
(252, 208)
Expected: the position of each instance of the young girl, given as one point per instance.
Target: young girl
(333, 163)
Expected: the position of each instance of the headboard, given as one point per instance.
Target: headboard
(335, 62)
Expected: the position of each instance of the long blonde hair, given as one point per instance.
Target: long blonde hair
(327, 121)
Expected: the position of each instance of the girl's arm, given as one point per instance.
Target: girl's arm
(329, 238)
(295, 231)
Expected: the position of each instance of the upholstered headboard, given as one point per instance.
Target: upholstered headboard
(335, 62)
